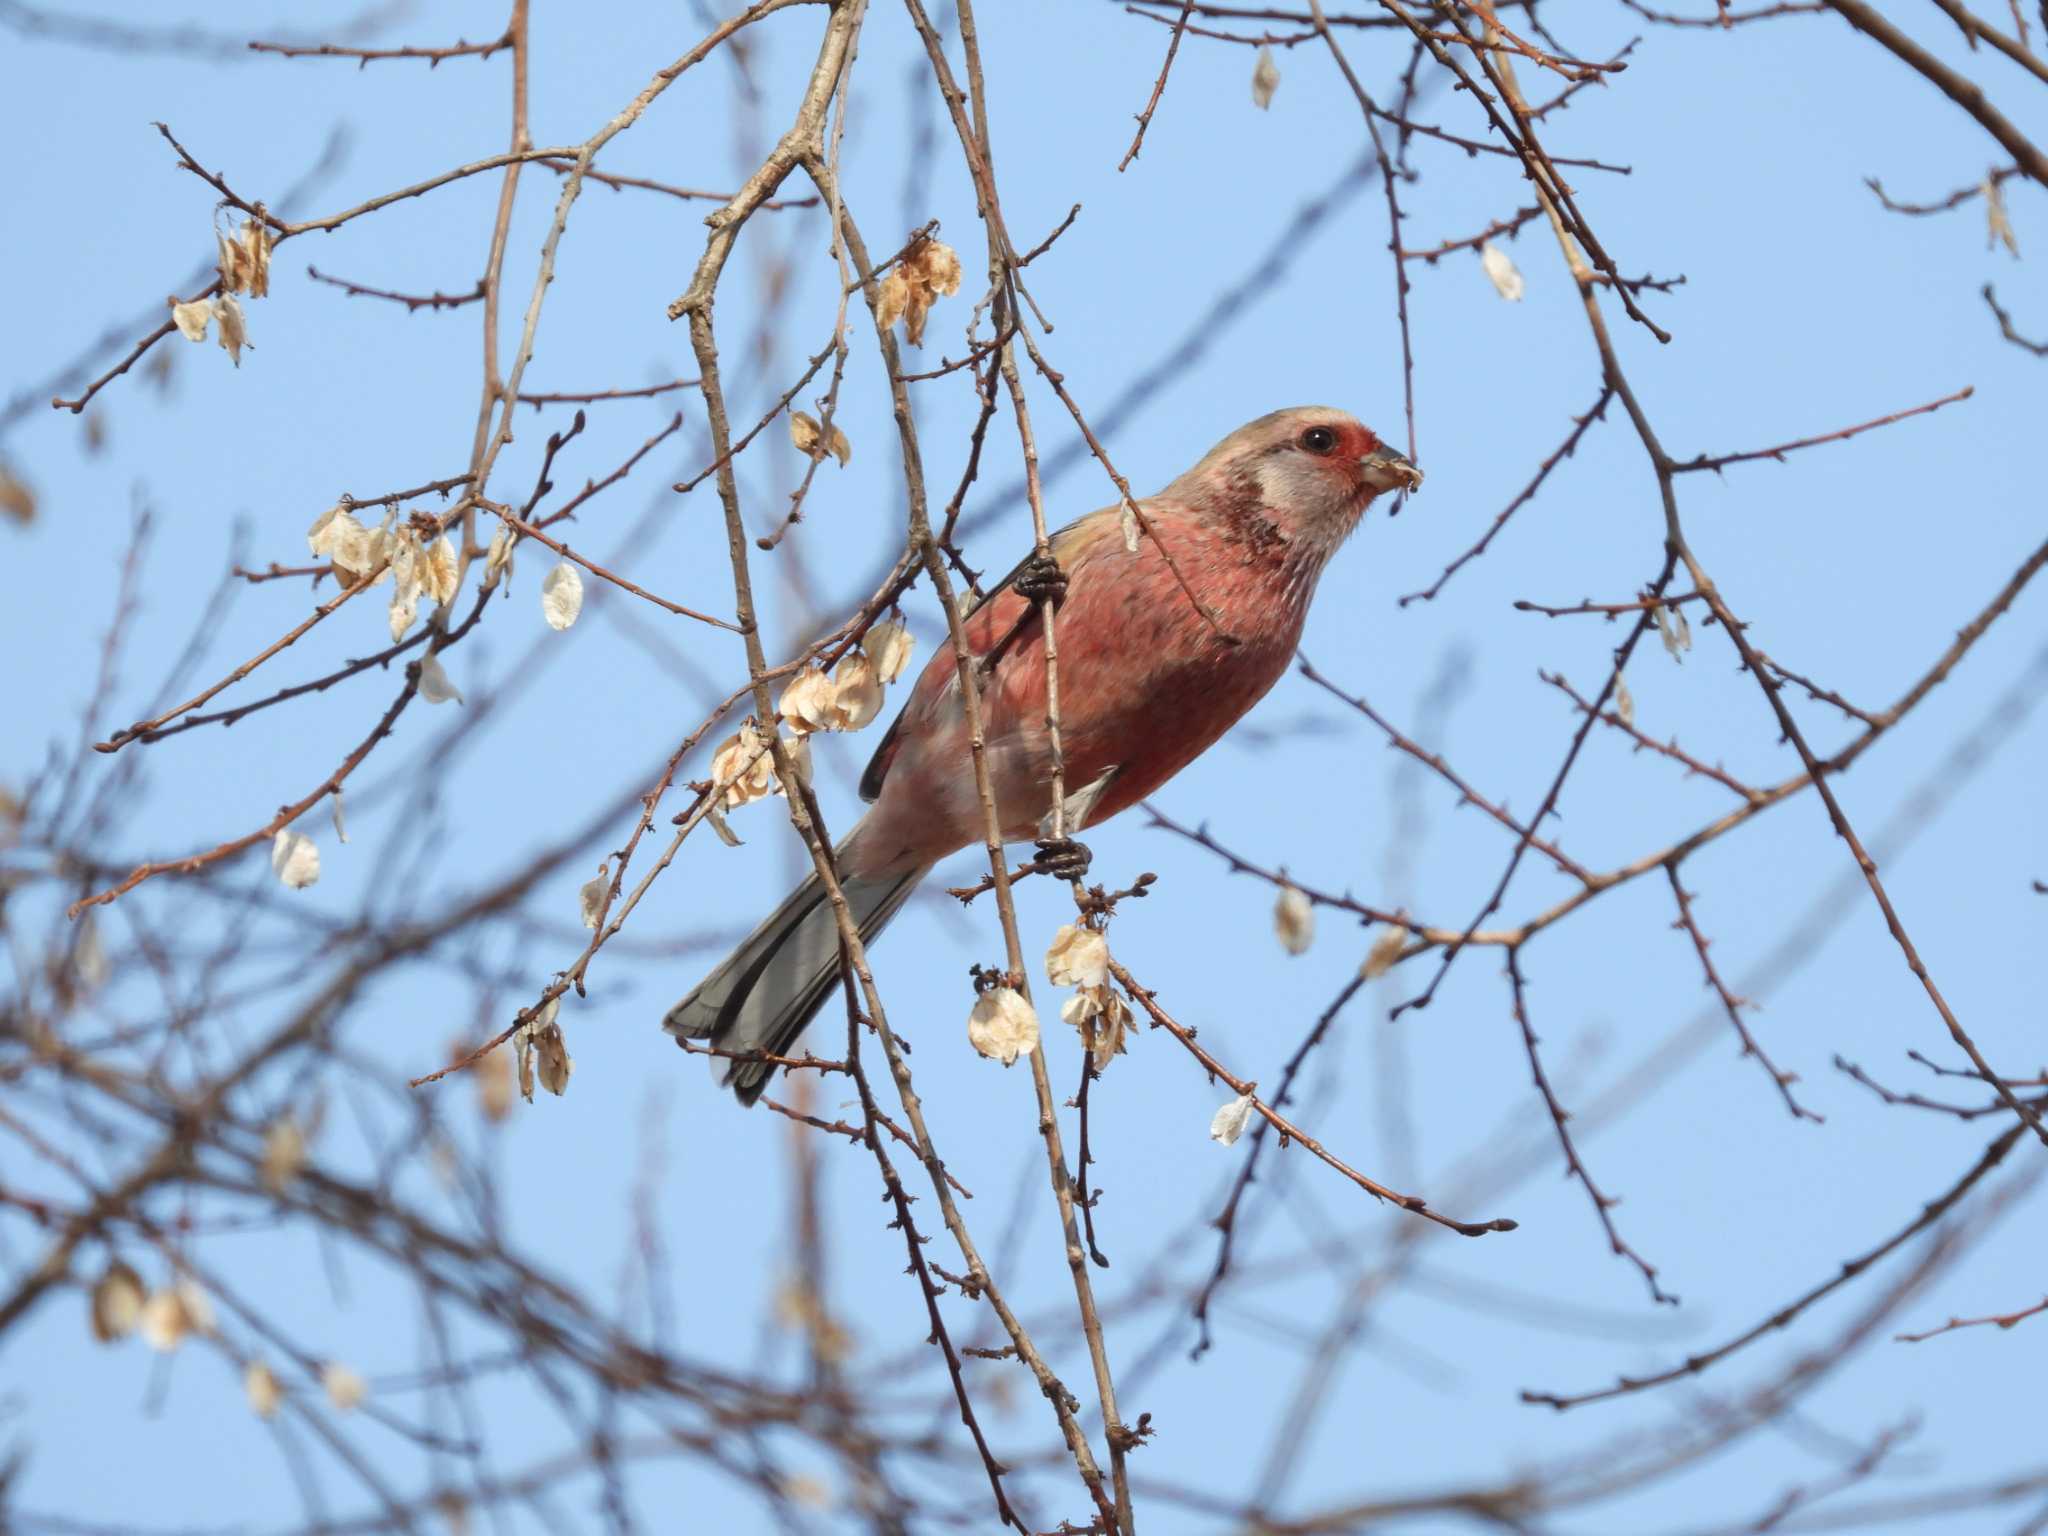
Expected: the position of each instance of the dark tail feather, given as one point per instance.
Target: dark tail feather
(765, 992)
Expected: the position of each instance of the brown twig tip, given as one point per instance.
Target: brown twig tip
(1955, 199)
(591, 398)
(413, 302)
(1270, 1119)
(2000, 1320)
(1965, 1112)
(1778, 451)
(1506, 226)
(1612, 717)
(365, 57)
(2008, 330)
(1724, 17)
(1730, 1003)
(1467, 794)
(1180, 27)
(1609, 611)
(1603, 1204)
(1693, 1365)
(277, 572)
(1563, 451)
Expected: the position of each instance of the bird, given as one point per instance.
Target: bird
(1154, 668)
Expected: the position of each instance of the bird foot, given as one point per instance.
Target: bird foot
(1062, 858)
(1041, 579)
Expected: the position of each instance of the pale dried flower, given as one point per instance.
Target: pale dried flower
(405, 607)
(1294, 920)
(198, 1310)
(743, 764)
(715, 818)
(245, 260)
(403, 551)
(117, 1301)
(163, 1321)
(1229, 1122)
(799, 750)
(1077, 957)
(1103, 1020)
(1265, 80)
(435, 686)
(259, 1382)
(89, 964)
(811, 1492)
(498, 558)
(256, 243)
(1386, 949)
(437, 568)
(234, 326)
(1501, 271)
(295, 859)
(590, 895)
(889, 646)
(539, 1041)
(284, 1153)
(493, 1084)
(812, 441)
(929, 270)
(555, 1063)
(799, 1307)
(1674, 630)
(1624, 702)
(561, 596)
(192, 317)
(857, 691)
(810, 702)
(17, 501)
(339, 537)
(1003, 1025)
(892, 298)
(345, 1389)
(1997, 226)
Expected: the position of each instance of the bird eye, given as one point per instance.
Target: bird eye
(1319, 440)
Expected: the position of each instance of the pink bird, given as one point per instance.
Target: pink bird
(1147, 684)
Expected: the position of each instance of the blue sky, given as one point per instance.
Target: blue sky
(1805, 308)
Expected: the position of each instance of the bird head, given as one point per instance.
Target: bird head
(1311, 467)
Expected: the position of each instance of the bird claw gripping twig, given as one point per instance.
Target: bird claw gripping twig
(1062, 858)
(1041, 579)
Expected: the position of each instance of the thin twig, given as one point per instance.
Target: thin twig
(1562, 452)
(365, 57)
(1694, 1364)
(1730, 1003)
(1158, 88)
(1603, 1203)
(1777, 453)
(413, 302)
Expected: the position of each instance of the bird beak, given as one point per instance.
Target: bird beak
(1386, 470)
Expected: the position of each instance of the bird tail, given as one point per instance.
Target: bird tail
(765, 992)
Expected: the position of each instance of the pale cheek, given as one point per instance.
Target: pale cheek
(1265, 476)
(1308, 492)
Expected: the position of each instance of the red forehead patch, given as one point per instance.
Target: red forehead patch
(1357, 441)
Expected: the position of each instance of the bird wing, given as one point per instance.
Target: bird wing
(1009, 619)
